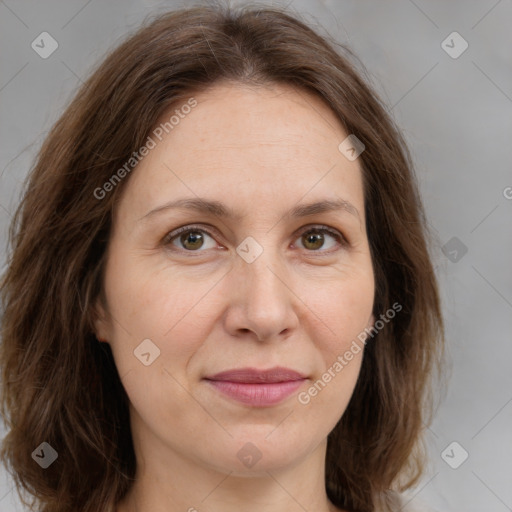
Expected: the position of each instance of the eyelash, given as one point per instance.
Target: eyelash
(342, 241)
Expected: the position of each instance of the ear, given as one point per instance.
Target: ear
(100, 321)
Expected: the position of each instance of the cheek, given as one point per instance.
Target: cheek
(342, 313)
(157, 305)
(343, 309)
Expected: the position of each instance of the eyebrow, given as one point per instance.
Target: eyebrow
(219, 209)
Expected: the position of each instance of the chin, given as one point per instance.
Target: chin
(261, 449)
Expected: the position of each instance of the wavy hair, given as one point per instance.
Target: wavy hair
(61, 386)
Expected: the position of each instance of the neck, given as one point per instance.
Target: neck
(174, 484)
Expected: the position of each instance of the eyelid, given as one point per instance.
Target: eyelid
(189, 227)
(210, 230)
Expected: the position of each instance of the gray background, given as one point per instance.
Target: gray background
(456, 114)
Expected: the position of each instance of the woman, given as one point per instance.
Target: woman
(220, 295)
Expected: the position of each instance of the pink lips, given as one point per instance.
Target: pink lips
(258, 388)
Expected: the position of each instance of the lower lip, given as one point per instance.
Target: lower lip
(257, 395)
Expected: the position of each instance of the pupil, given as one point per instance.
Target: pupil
(192, 238)
(315, 239)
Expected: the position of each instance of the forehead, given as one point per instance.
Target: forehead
(275, 115)
(248, 144)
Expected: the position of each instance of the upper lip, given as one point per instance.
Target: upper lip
(255, 376)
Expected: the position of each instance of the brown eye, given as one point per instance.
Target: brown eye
(192, 240)
(321, 238)
(189, 239)
(313, 240)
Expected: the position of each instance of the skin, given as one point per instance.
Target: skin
(300, 304)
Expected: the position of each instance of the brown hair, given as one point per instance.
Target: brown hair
(60, 385)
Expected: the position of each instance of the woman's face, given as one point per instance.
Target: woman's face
(256, 283)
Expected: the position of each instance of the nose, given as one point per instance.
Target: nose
(261, 301)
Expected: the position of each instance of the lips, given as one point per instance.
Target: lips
(254, 376)
(257, 388)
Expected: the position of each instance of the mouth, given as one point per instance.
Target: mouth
(257, 388)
